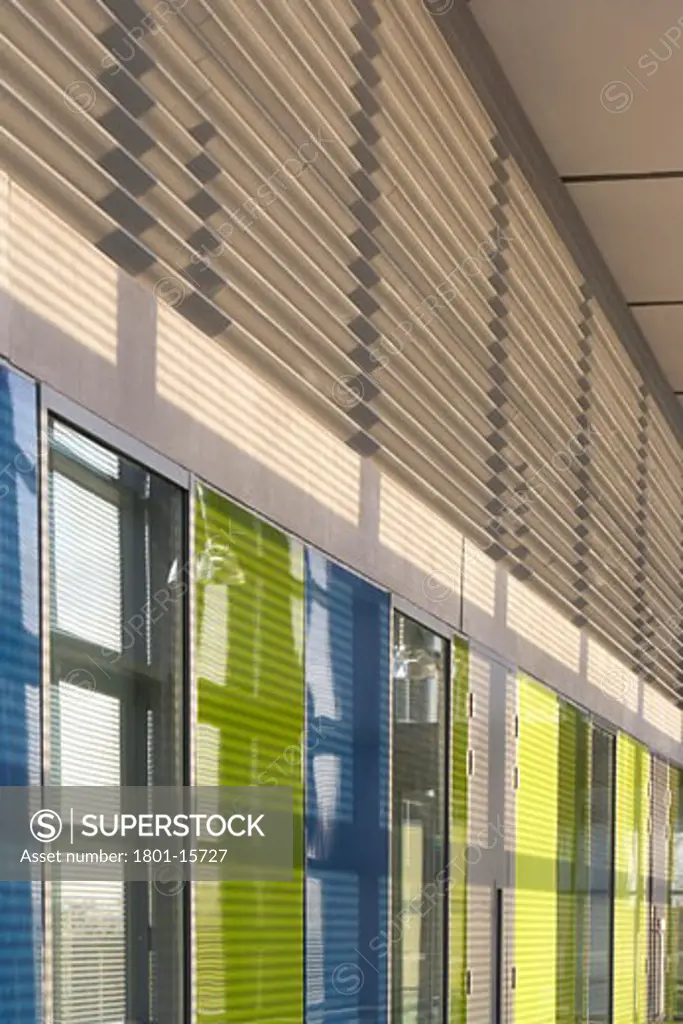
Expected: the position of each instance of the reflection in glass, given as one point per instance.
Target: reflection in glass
(347, 789)
(116, 645)
(21, 903)
(601, 877)
(420, 822)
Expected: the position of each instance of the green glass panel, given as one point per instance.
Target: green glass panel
(598, 938)
(631, 878)
(459, 832)
(674, 967)
(250, 710)
(573, 810)
(536, 851)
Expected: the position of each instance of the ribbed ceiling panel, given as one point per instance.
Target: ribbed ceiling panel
(317, 188)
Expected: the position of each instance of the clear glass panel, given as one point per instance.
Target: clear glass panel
(117, 663)
(91, 612)
(601, 878)
(420, 821)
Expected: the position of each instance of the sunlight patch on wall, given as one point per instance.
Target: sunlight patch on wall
(61, 277)
(217, 390)
(662, 712)
(533, 618)
(479, 578)
(417, 533)
(4, 231)
(610, 675)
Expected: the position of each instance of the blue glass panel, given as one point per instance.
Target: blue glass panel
(347, 793)
(20, 912)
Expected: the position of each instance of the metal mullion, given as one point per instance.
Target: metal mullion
(133, 742)
(77, 653)
(88, 477)
(45, 531)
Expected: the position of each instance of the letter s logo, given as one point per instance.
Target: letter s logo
(46, 825)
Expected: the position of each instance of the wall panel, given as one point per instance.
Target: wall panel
(249, 663)
(347, 795)
(20, 903)
(536, 902)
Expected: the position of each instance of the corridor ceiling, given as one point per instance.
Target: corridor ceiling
(601, 82)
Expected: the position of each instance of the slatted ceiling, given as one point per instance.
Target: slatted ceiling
(421, 367)
(254, 183)
(452, 439)
(666, 485)
(421, 370)
(329, 42)
(55, 148)
(414, 242)
(527, 280)
(530, 227)
(418, 254)
(51, 145)
(426, 126)
(462, 317)
(285, 65)
(448, 82)
(541, 322)
(609, 418)
(539, 496)
(263, 81)
(446, 205)
(665, 477)
(614, 410)
(548, 431)
(322, 68)
(264, 113)
(665, 443)
(536, 285)
(530, 370)
(403, 121)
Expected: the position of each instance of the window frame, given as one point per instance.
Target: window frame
(447, 633)
(53, 405)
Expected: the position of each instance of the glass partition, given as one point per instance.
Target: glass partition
(675, 924)
(601, 877)
(419, 848)
(117, 612)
